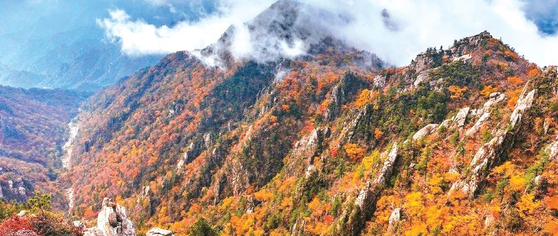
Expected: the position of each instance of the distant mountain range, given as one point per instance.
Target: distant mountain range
(57, 44)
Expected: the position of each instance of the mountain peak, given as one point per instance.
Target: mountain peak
(286, 29)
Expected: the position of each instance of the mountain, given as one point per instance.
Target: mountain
(33, 129)
(77, 59)
(331, 141)
(57, 44)
(299, 134)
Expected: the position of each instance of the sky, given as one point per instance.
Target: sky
(394, 30)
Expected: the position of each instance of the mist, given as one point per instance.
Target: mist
(58, 44)
(394, 30)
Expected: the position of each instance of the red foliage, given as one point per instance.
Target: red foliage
(15, 226)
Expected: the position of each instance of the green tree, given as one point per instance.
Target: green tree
(202, 228)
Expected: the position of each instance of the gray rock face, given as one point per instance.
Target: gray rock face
(473, 130)
(523, 103)
(298, 228)
(310, 171)
(426, 130)
(112, 221)
(309, 145)
(484, 112)
(423, 76)
(193, 150)
(461, 117)
(553, 150)
(159, 232)
(394, 218)
(489, 153)
(13, 189)
(387, 169)
(343, 92)
(379, 81)
(493, 99)
(354, 219)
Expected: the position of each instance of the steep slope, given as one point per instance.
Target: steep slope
(461, 141)
(33, 128)
(191, 125)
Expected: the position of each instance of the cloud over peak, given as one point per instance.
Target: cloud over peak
(395, 31)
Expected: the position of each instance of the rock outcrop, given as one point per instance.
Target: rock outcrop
(489, 154)
(112, 221)
(353, 220)
(159, 232)
(553, 150)
(394, 218)
(484, 112)
(426, 130)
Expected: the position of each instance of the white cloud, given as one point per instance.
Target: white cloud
(138, 37)
(419, 23)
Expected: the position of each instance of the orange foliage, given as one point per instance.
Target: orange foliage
(552, 202)
(365, 97)
(487, 90)
(457, 92)
(354, 151)
(514, 81)
(378, 133)
(551, 228)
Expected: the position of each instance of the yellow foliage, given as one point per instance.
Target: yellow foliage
(514, 96)
(263, 195)
(507, 168)
(451, 176)
(526, 205)
(369, 161)
(517, 183)
(383, 208)
(225, 203)
(314, 204)
(533, 72)
(286, 203)
(434, 183)
(363, 98)
(487, 90)
(417, 229)
(318, 229)
(457, 92)
(286, 108)
(413, 203)
(434, 217)
(287, 184)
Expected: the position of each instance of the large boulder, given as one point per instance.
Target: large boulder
(553, 150)
(159, 232)
(112, 221)
(426, 130)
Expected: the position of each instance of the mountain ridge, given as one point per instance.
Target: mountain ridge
(241, 149)
(330, 141)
